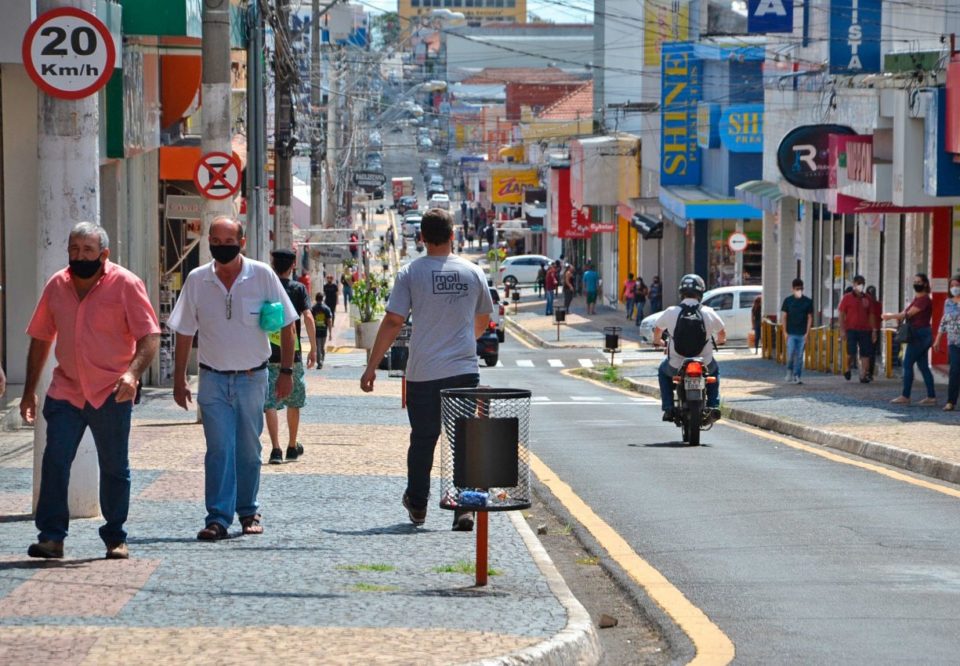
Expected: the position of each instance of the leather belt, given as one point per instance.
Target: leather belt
(204, 366)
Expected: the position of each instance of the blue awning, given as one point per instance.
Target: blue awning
(693, 203)
(760, 193)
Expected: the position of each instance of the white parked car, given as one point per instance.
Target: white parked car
(521, 269)
(733, 304)
(411, 225)
(439, 201)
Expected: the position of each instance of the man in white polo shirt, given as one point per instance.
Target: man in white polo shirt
(222, 301)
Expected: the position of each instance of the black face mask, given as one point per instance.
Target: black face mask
(85, 268)
(224, 254)
(918, 288)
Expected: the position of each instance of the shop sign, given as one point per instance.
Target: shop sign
(846, 204)
(179, 207)
(741, 128)
(941, 175)
(596, 226)
(680, 92)
(855, 36)
(708, 121)
(508, 184)
(765, 16)
(664, 21)
(953, 105)
(803, 156)
(858, 158)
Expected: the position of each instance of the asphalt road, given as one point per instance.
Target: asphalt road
(797, 558)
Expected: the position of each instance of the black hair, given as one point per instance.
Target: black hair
(436, 226)
(797, 282)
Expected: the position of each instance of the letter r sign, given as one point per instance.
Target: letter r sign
(764, 16)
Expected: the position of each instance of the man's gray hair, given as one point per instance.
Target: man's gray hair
(87, 229)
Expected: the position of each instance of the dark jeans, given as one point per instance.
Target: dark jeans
(110, 425)
(916, 352)
(567, 299)
(423, 411)
(953, 388)
(666, 375)
(640, 305)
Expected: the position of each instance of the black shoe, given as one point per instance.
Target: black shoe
(293, 452)
(417, 516)
(463, 522)
(864, 380)
(668, 416)
(846, 375)
(276, 457)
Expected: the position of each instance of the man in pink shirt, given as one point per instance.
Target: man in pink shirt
(106, 335)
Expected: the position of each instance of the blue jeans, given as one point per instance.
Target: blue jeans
(423, 411)
(232, 422)
(549, 310)
(953, 387)
(629, 308)
(110, 426)
(640, 305)
(666, 375)
(916, 352)
(795, 345)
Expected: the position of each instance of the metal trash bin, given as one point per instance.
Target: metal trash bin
(484, 460)
(399, 350)
(611, 338)
(559, 314)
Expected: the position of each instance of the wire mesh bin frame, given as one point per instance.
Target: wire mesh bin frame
(509, 408)
(402, 342)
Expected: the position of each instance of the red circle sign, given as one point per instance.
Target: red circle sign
(69, 53)
(737, 241)
(217, 176)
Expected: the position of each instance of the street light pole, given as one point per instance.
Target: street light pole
(283, 141)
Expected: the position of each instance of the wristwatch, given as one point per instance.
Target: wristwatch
(286, 371)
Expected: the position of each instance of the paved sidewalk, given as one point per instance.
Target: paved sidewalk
(339, 576)
(825, 409)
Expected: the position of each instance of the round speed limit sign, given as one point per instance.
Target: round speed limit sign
(69, 53)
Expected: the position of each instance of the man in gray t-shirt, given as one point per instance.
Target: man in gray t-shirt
(450, 305)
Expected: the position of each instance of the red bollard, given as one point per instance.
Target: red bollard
(481, 577)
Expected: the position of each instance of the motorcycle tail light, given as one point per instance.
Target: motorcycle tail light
(695, 369)
(492, 325)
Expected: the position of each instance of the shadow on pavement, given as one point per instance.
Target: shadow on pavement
(399, 529)
(17, 518)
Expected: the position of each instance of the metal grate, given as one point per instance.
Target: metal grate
(484, 457)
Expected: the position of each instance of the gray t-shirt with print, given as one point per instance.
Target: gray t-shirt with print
(444, 294)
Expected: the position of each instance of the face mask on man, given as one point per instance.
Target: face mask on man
(858, 288)
(918, 288)
(224, 254)
(85, 268)
(955, 291)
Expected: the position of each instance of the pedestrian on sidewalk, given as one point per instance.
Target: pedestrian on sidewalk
(628, 295)
(283, 265)
(322, 317)
(346, 283)
(796, 320)
(918, 315)
(331, 294)
(106, 335)
(221, 302)
(450, 303)
(569, 287)
(541, 279)
(858, 326)
(950, 327)
(550, 283)
(640, 292)
(591, 285)
(756, 321)
(656, 295)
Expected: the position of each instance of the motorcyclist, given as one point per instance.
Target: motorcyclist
(691, 292)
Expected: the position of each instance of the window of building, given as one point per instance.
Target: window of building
(414, 3)
(511, 3)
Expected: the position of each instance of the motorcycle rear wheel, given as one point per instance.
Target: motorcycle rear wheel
(691, 423)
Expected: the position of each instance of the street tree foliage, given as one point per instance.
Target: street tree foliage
(386, 29)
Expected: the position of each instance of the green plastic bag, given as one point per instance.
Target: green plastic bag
(271, 316)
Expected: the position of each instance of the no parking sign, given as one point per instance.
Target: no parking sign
(68, 53)
(217, 176)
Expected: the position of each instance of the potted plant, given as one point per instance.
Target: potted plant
(368, 300)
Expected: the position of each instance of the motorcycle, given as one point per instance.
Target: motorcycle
(690, 412)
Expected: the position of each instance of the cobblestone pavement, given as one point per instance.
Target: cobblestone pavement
(339, 576)
(824, 404)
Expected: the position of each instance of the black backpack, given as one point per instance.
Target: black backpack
(690, 333)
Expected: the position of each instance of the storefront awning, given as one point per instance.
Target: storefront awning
(650, 228)
(693, 203)
(761, 194)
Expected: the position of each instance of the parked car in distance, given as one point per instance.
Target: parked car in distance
(429, 165)
(411, 225)
(488, 345)
(521, 269)
(733, 304)
(424, 143)
(408, 202)
(439, 201)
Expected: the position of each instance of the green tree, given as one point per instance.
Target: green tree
(386, 28)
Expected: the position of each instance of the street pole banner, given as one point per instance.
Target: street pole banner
(69, 53)
(855, 36)
(766, 16)
(217, 176)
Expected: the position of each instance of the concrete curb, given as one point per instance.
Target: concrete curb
(577, 643)
(886, 454)
(534, 339)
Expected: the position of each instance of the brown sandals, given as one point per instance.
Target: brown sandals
(251, 524)
(212, 532)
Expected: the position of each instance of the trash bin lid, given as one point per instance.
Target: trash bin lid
(487, 392)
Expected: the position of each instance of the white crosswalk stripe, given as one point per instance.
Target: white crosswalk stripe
(555, 363)
(585, 362)
(586, 398)
(499, 364)
(524, 363)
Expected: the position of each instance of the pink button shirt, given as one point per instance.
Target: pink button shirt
(96, 337)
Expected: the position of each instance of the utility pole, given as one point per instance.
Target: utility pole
(333, 171)
(68, 191)
(256, 136)
(283, 140)
(215, 93)
(316, 179)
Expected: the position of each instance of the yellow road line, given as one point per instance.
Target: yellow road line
(711, 644)
(835, 457)
(519, 338)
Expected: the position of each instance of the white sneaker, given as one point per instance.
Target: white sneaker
(788, 377)
(797, 380)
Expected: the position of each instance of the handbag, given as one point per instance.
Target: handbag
(904, 333)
